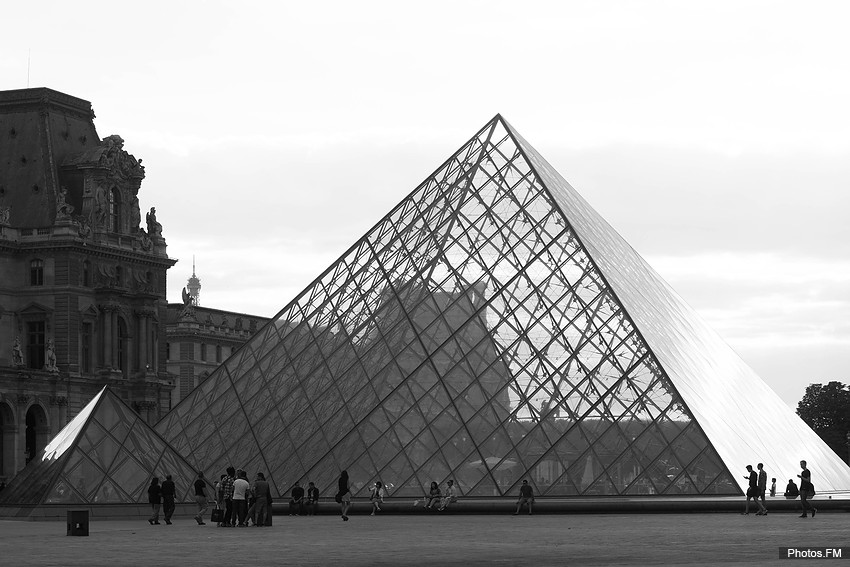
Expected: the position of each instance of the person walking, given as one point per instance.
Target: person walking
(753, 490)
(526, 496)
(168, 491)
(262, 494)
(762, 490)
(201, 498)
(155, 499)
(344, 494)
(807, 490)
(377, 497)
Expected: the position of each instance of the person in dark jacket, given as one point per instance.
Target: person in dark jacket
(807, 490)
(312, 499)
(296, 503)
(791, 491)
(343, 494)
(262, 494)
(168, 492)
(155, 499)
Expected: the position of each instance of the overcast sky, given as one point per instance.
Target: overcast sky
(714, 136)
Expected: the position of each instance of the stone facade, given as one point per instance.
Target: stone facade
(200, 339)
(82, 284)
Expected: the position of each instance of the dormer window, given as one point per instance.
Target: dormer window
(115, 210)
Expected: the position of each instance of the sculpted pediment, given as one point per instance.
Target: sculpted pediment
(111, 156)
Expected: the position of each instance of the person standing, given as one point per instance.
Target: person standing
(155, 499)
(344, 494)
(762, 489)
(807, 490)
(526, 496)
(168, 492)
(262, 494)
(772, 487)
(201, 498)
(227, 496)
(312, 499)
(296, 502)
(240, 498)
(377, 497)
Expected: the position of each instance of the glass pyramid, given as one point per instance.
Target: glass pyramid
(105, 455)
(493, 328)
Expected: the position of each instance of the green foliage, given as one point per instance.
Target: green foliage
(826, 409)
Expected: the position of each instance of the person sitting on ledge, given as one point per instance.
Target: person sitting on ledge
(791, 491)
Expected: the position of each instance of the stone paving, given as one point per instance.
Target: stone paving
(434, 539)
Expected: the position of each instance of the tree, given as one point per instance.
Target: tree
(826, 409)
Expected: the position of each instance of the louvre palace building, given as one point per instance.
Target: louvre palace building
(82, 273)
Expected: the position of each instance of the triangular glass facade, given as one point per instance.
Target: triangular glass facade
(492, 327)
(106, 455)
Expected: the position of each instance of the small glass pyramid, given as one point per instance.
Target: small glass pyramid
(106, 454)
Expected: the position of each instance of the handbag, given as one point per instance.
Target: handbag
(217, 515)
(338, 497)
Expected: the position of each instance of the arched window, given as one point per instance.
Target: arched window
(115, 210)
(37, 272)
(86, 273)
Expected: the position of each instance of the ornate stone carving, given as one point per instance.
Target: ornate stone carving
(5, 214)
(144, 239)
(23, 399)
(135, 215)
(58, 401)
(50, 356)
(17, 354)
(85, 228)
(63, 209)
(154, 228)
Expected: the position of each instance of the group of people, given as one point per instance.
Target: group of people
(758, 487)
(161, 496)
(437, 499)
(240, 503)
(301, 502)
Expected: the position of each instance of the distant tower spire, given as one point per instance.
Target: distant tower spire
(194, 286)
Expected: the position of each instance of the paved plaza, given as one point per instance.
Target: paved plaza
(432, 539)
